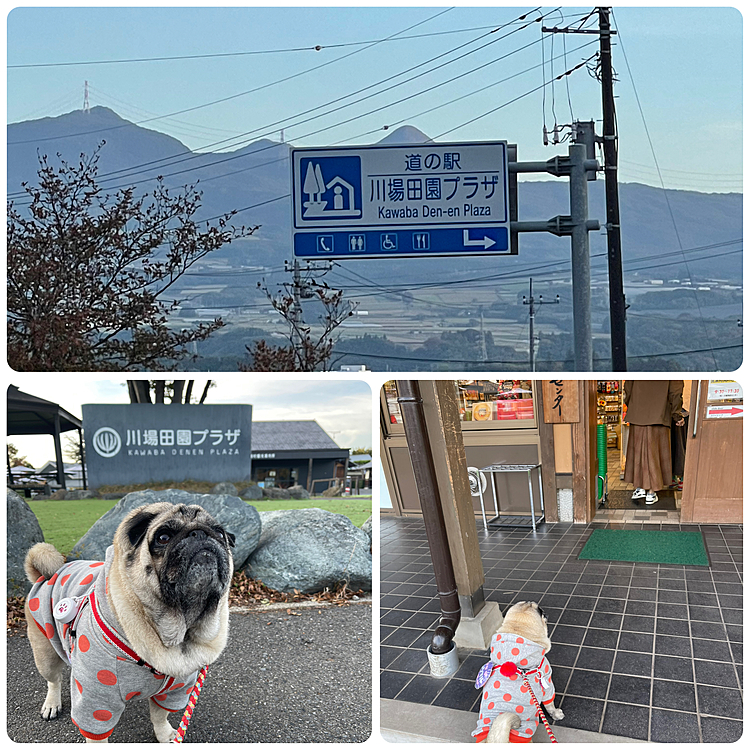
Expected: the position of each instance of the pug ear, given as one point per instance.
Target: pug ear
(230, 538)
(138, 527)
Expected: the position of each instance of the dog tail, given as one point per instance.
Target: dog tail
(500, 729)
(42, 560)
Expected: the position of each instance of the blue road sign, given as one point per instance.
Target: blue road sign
(402, 201)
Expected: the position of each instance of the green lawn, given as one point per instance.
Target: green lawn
(64, 522)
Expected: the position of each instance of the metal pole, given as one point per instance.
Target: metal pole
(531, 325)
(581, 260)
(614, 248)
(58, 453)
(418, 441)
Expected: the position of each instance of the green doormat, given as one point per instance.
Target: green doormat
(668, 547)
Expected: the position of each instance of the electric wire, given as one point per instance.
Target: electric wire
(661, 180)
(179, 158)
(242, 93)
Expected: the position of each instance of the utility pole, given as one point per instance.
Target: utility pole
(481, 333)
(608, 140)
(614, 248)
(531, 302)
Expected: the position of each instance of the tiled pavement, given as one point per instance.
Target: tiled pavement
(651, 652)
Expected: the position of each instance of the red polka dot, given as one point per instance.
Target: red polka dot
(523, 662)
(83, 644)
(87, 580)
(514, 677)
(52, 580)
(519, 640)
(524, 689)
(507, 697)
(64, 579)
(96, 564)
(529, 730)
(159, 697)
(102, 715)
(66, 627)
(486, 695)
(49, 629)
(487, 721)
(132, 695)
(519, 709)
(496, 684)
(78, 685)
(178, 685)
(546, 667)
(34, 604)
(515, 651)
(40, 579)
(188, 691)
(106, 677)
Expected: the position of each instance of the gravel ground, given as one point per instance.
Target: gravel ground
(301, 677)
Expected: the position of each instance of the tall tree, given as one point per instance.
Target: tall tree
(164, 391)
(89, 273)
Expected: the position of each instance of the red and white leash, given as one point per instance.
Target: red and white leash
(538, 708)
(192, 700)
(125, 649)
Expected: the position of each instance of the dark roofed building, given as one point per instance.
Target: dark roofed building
(296, 452)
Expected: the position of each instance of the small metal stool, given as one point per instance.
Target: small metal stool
(509, 469)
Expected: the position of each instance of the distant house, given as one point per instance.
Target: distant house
(296, 452)
(73, 474)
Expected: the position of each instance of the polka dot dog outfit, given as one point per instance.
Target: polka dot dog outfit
(103, 677)
(509, 694)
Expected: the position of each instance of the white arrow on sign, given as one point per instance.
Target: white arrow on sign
(485, 241)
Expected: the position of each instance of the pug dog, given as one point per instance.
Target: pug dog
(507, 713)
(139, 625)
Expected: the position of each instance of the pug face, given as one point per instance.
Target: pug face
(177, 560)
(527, 619)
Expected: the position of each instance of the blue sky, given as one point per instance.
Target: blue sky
(341, 407)
(686, 64)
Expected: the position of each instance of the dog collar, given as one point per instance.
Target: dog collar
(114, 639)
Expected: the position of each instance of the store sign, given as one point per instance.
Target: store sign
(560, 401)
(723, 411)
(401, 201)
(141, 443)
(724, 390)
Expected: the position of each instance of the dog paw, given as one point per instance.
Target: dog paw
(50, 711)
(556, 714)
(166, 735)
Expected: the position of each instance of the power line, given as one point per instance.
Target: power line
(522, 365)
(661, 180)
(320, 130)
(180, 158)
(236, 96)
(245, 53)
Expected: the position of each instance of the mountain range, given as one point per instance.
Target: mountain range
(257, 175)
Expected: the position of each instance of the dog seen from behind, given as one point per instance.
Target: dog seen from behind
(518, 666)
(139, 625)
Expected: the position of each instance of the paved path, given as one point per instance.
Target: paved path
(304, 677)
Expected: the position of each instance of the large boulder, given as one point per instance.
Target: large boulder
(224, 488)
(233, 514)
(253, 492)
(298, 492)
(336, 491)
(367, 528)
(276, 493)
(23, 533)
(310, 550)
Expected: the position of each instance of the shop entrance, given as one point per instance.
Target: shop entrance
(706, 454)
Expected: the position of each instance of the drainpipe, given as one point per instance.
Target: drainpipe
(415, 428)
